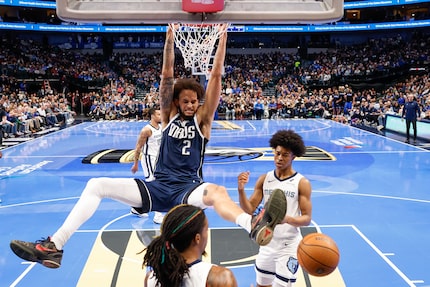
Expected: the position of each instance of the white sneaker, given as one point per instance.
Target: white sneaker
(158, 217)
(137, 211)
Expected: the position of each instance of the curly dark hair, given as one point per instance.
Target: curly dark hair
(290, 140)
(178, 230)
(188, 84)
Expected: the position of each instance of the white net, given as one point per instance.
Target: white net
(196, 43)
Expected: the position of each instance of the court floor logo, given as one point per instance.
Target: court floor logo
(212, 155)
(348, 142)
(116, 257)
(22, 168)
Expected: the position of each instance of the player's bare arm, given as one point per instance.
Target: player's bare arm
(249, 205)
(206, 112)
(305, 190)
(220, 277)
(144, 134)
(167, 80)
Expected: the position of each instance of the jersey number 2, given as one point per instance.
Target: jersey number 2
(185, 148)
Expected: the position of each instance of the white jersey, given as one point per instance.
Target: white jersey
(152, 145)
(197, 276)
(290, 186)
(150, 151)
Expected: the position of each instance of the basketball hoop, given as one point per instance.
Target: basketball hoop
(196, 43)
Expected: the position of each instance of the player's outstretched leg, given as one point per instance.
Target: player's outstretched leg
(273, 213)
(42, 251)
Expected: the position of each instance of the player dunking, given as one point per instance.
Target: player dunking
(186, 127)
(276, 264)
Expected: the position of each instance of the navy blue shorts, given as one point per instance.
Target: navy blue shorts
(161, 196)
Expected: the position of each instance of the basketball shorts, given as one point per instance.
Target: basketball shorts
(277, 262)
(162, 196)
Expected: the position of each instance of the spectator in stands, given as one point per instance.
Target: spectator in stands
(273, 109)
(230, 112)
(258, 109)
(246, 74)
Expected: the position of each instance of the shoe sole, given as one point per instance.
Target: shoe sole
(28, 254)
(275, 210)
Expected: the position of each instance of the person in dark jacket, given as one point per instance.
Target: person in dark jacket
(411, 112)
(3, 119)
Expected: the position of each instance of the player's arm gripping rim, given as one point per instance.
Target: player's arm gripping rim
(167, 107)
(205, 114)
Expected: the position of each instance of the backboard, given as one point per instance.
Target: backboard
(168, 11)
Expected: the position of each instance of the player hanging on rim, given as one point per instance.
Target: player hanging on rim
(276, 263)
(186, 127)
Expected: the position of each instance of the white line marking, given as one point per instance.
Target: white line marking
(388, 261)
(38, 202)
(379, 252)
(20, 277)
(373, 195)
(358, 194)
(252, 126)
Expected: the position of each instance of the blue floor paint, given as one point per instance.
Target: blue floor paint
(373, 199)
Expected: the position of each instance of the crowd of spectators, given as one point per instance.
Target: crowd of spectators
(269, 85)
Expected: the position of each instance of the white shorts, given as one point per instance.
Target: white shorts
(277, 262)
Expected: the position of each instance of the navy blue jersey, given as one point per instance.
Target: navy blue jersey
(181, 152)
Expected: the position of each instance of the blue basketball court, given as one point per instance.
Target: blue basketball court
(370, 194)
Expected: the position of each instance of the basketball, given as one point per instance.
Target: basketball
(318, 254)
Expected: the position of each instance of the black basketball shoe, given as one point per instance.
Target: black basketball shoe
(42, 251)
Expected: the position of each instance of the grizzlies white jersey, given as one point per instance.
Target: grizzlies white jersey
(150, 151)
(290, 187)
(152, 145)
(197, 276)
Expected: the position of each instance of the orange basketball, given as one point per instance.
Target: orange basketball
(318, 254)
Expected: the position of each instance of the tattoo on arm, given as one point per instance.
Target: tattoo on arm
(166, 91)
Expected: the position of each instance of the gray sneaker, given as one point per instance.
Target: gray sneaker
(263, 224)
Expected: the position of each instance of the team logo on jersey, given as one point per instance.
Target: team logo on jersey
(186, 132)
(293, 265)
